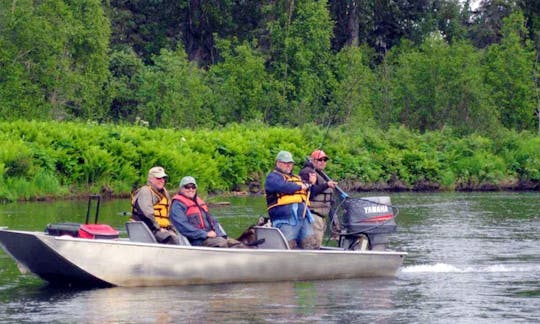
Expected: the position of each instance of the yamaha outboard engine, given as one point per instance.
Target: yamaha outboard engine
(367, 223)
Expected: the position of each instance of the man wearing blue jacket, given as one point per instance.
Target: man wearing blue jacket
(287, 198)
(191, 217)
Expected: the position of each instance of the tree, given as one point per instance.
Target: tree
(451, 19)
(88, 50)
(299, 58)
(27, 54)
(440, 85)
(380, 23)
(54, 54)
(125, 67)
(510, 68)
(246, 90)
(352, 99)
(531, 10)
(487, 21)
(149, 26)
(172, 93)
(146, 26)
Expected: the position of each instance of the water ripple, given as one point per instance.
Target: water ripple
(448, 268)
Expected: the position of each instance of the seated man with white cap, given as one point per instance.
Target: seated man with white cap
(150, 204)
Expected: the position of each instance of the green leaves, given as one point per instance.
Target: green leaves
(301, 58)
(440, 85)
(178, 64)
(48, 159)
(55, 54)
(509, 74)
(243, 89)
(172, 92)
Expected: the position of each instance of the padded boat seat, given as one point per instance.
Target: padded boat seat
(183, 240)
(139, 232)
(273, 238)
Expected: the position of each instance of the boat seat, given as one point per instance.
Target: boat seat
(183, 240)
(273, 238)
(222, 229)
(139, 232)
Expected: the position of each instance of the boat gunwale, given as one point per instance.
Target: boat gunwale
(126, 241)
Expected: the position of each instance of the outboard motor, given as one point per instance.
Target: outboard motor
(367, 223)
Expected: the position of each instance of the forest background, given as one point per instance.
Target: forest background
(406, 95)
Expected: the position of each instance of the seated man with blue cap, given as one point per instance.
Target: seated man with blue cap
(191, 217)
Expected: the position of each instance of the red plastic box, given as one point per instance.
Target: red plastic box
(97, 231)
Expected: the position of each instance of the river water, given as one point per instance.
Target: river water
(473, 258)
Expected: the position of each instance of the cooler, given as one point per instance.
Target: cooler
(71, 229)
(97, 231)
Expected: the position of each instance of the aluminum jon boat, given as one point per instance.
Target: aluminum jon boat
(98, 260)
(117, 262)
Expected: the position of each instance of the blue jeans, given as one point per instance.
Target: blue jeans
(297, 228)
(298, 232)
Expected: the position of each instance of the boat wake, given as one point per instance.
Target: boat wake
(448, 268)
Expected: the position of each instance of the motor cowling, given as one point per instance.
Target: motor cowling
(367, 223)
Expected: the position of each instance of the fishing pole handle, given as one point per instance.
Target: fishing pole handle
(343, 193)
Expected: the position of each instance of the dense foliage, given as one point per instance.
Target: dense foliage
(415, 94)
(52, 159)
(426, 64)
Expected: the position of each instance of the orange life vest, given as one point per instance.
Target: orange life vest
(279, 199)
(161, 207)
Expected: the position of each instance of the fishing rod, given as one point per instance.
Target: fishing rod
(343, 194)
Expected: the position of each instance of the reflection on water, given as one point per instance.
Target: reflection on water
(283, 302)
(473, 258)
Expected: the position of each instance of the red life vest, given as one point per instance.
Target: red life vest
(195, 208)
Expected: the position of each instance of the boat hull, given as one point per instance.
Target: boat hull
(91, 262)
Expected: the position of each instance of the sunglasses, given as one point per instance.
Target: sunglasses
(190, 186)
(322, 159)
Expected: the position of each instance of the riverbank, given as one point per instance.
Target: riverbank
(428, 186)
(50, 160)
(347, 185)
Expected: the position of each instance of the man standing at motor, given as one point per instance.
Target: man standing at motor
(287, 198)
(322, 192)
(151, 203)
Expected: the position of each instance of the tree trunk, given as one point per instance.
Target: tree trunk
(352, 23)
